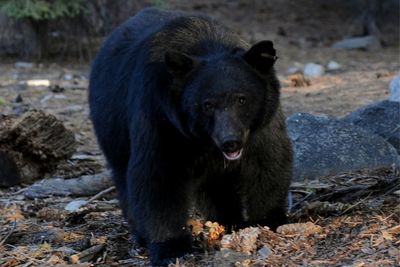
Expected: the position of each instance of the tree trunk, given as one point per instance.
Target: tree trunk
(31, 146)
(40, 28)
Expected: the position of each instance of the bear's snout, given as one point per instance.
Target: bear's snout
(229, 135)
(232, 149)
(231, 145)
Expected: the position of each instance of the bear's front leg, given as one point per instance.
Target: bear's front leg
(158, 200)
(265, 196)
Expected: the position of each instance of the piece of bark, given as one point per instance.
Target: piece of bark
(31, 146)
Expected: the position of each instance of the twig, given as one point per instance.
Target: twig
(101, 193)
(9, 233)
(19, 191)
(29, 263)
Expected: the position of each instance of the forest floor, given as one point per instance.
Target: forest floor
(350, 219)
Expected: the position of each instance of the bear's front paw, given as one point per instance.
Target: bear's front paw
(164, 253)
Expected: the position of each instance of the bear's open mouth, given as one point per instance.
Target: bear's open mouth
(233, 155)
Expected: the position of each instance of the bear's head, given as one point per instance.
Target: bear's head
(225, 96)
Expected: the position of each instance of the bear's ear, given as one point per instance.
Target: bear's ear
(179, 64)
(261, 56)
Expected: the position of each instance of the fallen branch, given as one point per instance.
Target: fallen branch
(87, 254)
(85, 185)
(100, 194)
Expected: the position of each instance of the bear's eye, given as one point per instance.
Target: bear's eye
(241, 100)
(208, 106)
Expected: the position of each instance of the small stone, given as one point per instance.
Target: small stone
(333, 65)
(296, 68)
(68, 77)
(18, 99)
(24, 65)
(264, 252)
(314, 70)
(46, 98)
(365, 42)
(395, 89)
(56, 88)
(293, 70)
(72, 109)
(59, 96)
(75, 205)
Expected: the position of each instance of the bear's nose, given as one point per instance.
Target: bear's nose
(231, 146)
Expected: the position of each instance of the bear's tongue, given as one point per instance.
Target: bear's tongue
(233, 155)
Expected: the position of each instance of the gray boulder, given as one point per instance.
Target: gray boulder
(382, 118)
(395, 89)
(326, 146)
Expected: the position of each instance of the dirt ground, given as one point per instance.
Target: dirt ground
(353, 228)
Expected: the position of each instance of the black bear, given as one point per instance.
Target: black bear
(186, 112)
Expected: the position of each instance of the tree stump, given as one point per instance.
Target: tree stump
(31, 146)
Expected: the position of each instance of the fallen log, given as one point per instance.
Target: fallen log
(85, 185)
(31, 146)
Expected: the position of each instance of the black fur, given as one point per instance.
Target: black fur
(171, 94)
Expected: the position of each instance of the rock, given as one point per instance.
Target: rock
(313, 70)
(293, 70)
(326, 146)
(395, 89)
(24, 65)
(75, 205)
(333, 65)
(71, 109)
(381, 118)
(68, 77)
(365, 42)
(19, 99)
(263, 252)
(38, 83)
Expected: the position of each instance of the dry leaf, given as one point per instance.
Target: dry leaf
(298, 80)
(215, 231)
(196, 226)
(243, 241)
(74, 259)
